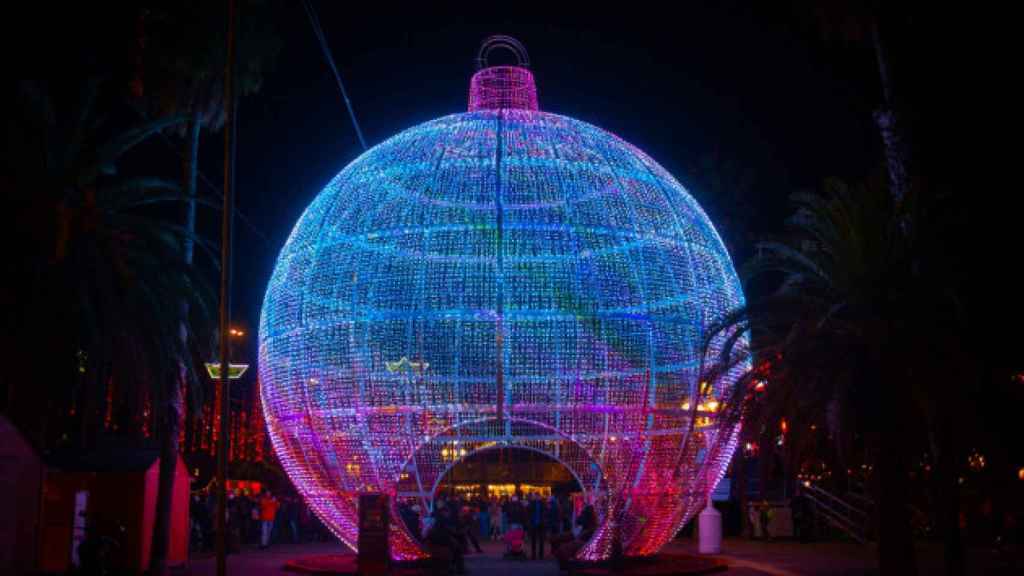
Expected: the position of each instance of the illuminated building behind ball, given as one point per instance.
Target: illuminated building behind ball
(500, 277)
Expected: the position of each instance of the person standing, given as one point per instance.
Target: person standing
(291, 517)
(250, 519)
(512, 513)
(466, 526)
(505, 511)
(536, 519)
(484, 517)
(200, 524)
(234, 520)
(450, 515)
(801, 515)
(554, 523)
(570, 544)
(268, 512)
(524, 513)
(766, 518)
(447, 549)
(495, 513)
(211, 516)
(567, 514)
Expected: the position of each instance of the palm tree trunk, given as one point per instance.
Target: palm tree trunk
(174, 407)
(894, 133)
(949, 502)
(895, 539)
(948, 409)
(169, 426)
(189, 188)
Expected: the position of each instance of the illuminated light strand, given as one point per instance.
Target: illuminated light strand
(378, 355)
(502, 88)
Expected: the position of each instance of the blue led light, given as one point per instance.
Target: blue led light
(498, 248)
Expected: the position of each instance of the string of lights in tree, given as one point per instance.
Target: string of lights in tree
(503, 277)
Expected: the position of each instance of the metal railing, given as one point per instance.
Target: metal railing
(851, 520)
(857, 491)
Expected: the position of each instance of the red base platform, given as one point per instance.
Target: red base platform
(339, 565)
(659, 565)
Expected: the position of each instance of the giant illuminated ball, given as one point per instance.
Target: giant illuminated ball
(503, 277)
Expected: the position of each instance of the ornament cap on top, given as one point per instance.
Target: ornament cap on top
(506, 87)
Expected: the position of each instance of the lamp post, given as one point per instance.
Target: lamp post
(225, 289)
(223, 411)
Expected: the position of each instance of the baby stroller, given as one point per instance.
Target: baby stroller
(514, 539)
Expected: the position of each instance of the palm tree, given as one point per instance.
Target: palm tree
(109, 262)
(183, 51)
(872, 29)
(865, 310)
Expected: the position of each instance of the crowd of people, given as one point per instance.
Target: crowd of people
(253, 520)
(455, 527)
(451, 530)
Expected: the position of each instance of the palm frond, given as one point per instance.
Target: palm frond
(82, 126)
(108, 154)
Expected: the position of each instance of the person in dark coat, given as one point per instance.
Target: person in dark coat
(465, 528)
(291, 518)
(514, 511)
(801, 516)
(444, 538)
(765, 518)
(554, 520)
(483, 518)
(200, 524)
(535, 522)
(587, 521)
(439, 541)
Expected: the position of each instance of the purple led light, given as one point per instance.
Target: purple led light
(503, 245)
(502, 87)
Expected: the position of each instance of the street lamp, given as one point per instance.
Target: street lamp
(235, 371)
(225, 285)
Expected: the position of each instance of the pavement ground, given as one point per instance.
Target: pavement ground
(744, 557)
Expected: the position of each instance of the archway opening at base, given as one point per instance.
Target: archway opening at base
(509, 471)
(496, 487)
(451, 453)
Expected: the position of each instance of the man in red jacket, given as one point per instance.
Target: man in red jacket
(268, 511)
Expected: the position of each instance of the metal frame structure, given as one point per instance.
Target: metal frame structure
(502, 277)
(502, 42)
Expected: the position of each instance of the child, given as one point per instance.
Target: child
(514, 539)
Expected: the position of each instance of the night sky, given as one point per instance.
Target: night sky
(771, 93)
(760, 91)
